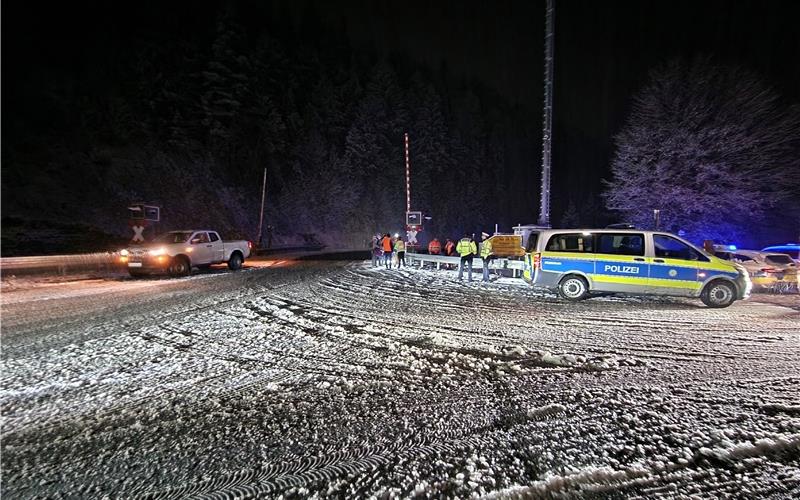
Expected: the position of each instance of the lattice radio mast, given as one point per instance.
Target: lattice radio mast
(547, 125)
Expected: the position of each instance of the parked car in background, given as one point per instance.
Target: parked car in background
(176, 252)
(768, 270)
(790, 249)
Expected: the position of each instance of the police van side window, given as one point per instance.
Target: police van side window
(570, 242)
(620, 244)
(670, 248)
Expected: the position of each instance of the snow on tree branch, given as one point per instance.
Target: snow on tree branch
(712, 147)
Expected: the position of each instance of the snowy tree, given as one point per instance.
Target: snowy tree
(571, 217)
(430, 156)
(711, 147)
(226, 87)
(374, 152)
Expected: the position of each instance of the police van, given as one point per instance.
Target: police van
(580, 262)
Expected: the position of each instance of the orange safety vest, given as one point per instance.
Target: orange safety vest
(387, 244)
(449, 248)
(434, 247)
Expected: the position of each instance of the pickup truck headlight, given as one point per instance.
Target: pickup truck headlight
(158, 251)
(124, 252)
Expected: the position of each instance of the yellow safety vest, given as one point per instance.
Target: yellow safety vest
(399, 246)
(486, 248)
(466, 247)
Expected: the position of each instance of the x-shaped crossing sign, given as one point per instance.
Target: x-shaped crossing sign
(137, 233)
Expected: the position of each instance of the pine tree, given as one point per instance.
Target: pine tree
(571, 217)
(374, 152)
(430, 156)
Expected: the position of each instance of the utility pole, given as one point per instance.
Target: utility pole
(261, 214)
(547, 125)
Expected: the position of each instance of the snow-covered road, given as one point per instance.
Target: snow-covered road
(309, 378)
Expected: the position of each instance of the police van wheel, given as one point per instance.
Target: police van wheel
(573, 288)
(718, 294)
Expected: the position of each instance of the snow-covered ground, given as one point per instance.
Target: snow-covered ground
(314, 379)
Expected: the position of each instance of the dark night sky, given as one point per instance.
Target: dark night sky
(604, 51)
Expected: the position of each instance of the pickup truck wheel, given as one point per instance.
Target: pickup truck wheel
(235, 262)
(180, 267)
(573, 287)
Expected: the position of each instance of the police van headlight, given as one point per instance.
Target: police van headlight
(744, 274)
(158, 251)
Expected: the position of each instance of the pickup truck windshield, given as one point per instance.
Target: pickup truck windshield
(173, 237)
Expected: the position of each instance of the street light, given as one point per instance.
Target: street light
(656, 217)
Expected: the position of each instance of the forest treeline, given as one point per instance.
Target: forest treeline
(191, 122)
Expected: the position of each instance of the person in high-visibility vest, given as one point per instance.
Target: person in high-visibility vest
(434, 247)
(486, 255)
(386, 243)
(467, 249)
(400, 248)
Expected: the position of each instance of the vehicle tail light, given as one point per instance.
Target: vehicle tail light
(768, 270)
(537, 261)
(250, 245)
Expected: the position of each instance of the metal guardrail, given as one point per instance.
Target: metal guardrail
(62, 264)
(497, 263)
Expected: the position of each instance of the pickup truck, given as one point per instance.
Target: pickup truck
(176, 252)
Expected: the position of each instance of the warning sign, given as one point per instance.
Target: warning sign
(507, 245)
